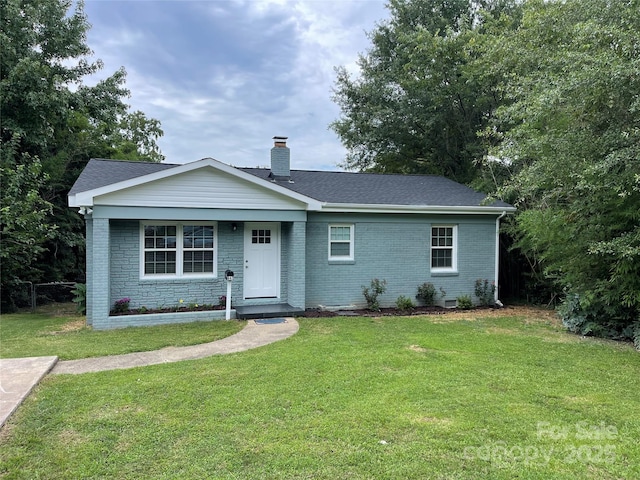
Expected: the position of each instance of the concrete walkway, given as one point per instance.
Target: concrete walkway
(18, 376)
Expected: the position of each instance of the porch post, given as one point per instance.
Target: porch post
(98, 260)
(297, 265)
(89, 267)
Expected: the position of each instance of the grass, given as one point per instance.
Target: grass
(57, 330)
(452, 397)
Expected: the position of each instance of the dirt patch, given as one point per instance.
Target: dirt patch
(528, 313)
(69, 327)
(504, 331)
(418, 348)
(435, 420)
(71, 437)
(72, 326)
(383, 312)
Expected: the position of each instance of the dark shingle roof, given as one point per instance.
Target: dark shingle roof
(100, 173)
(378, 189)
(330, 187)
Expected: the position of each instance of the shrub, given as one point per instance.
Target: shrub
(80, 297)
(464, 302)
(404, 303)
(122, 305)
(485, 291)
(371, 293)
(589, 315)
(427, 294)
(572, 315)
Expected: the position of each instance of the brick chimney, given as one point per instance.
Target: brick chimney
(280, 159)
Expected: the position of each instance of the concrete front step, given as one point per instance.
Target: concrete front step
(267, 311)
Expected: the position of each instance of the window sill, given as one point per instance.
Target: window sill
(346, 261)
(445, 274)
(183, 279)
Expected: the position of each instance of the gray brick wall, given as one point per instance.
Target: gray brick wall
(390, 247)
(89, 267)
(125, 271)
(123, 321)
(99, 261)
(396, 249)
(296, 263)
(285, 254)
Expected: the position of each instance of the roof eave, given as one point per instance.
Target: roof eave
(428, 209)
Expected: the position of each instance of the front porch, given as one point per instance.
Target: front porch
(268, 284)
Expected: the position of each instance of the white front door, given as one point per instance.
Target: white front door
(261, 260)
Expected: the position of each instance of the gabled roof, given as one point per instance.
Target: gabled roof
(100, 173)
(102, 177)
(379, 189)
(334, 191)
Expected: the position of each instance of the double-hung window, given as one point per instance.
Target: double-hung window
(178, 249)
(444, 245)
(341, 242)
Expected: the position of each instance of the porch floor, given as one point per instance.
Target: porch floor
(267, 311)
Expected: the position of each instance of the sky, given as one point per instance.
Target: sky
(226, 76)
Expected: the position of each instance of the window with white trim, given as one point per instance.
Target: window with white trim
(178, 249)
(341, 242)
(444, 245)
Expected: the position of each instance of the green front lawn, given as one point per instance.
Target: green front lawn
(359, 398)
(64, 334)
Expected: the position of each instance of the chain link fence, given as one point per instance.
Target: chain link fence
(31, 295)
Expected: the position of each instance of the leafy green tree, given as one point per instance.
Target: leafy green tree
(570, 133)
(23, 213)
(419, 100)
(52, 123)
(135, 138)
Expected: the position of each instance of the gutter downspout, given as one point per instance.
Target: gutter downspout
(497, 270)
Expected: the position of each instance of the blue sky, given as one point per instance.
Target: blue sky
(225, 76)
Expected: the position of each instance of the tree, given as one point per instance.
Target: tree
(52, 123)
(135, 138)
(419, 101)
(23, 213)
(570, 132)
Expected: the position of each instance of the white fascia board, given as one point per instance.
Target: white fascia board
(85, 199)
(72, 202)
(428, 209)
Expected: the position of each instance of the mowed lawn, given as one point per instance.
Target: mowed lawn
(486, 395)
(57, 330)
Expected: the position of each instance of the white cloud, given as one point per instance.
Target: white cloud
(223, 77)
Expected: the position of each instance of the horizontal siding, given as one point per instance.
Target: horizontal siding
(203, 188)
(199, 214)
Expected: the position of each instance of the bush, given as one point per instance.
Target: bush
(377, 288)
(588, 315)
(485, 291)
(404, 303)
(464, 302)
(427, 294)
(80, 297)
